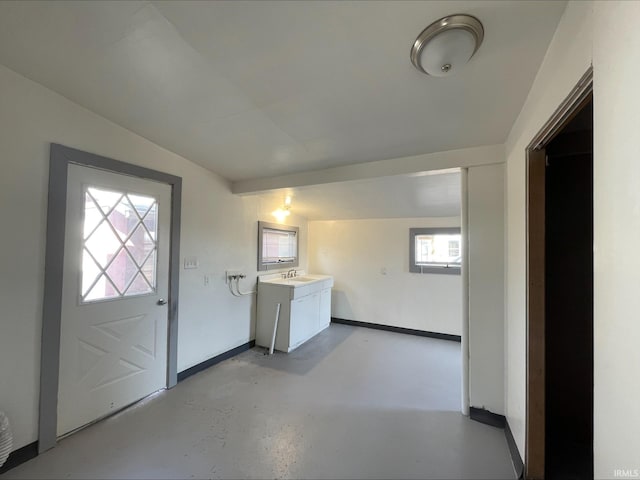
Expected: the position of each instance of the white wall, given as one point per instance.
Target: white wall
(606, 33)
(567, 59)
(616, 59)
(486, 287)
(356, 252)
(217, 227)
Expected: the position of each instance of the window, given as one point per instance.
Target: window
(435, 250)
(454, 248)
(277, 246)
(119, 245)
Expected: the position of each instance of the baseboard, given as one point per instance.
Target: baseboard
(19, 456)
(500, 421)
(389, 328)
(518, 464)
(488, 418)
(217, 359)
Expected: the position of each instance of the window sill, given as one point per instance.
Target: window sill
(436, 270)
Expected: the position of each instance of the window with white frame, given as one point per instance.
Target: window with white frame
(435, 250)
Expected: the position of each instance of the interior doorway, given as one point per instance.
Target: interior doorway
(559, 432)
(569, 301)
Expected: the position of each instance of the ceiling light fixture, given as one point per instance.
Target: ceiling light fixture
(283, 212)
(447, 44)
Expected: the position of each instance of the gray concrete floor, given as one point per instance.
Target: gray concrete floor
(351, 403)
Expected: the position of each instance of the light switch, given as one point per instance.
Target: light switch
(190, 262)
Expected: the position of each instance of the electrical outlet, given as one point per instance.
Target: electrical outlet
(206, 280)
(231, 273)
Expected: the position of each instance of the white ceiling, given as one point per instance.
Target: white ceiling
(436, 194)
(256, 89)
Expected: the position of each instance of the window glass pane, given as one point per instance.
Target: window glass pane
(150, 220)
(120, 244)
(140, 245)
(90, 271)
(278, 245)
(138, 286)
(103, 244)
(437, 249)
(141, 203)
(424, 248)
(105, 199)
(100, 291)
(454, 248)
(121, 271)
(122, 217)
(92, 215)
(149, 269)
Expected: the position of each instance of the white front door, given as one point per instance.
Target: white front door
(113, 340)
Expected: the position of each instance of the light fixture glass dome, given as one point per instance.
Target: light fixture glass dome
(447, 44)
(447, 52)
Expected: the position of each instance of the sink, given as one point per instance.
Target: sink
(304, 280)
(296, 287)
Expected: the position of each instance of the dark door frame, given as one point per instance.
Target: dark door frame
(581, 94)
(59, 160)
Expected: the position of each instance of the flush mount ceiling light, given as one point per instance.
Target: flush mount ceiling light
(447, 44)
(284, 211)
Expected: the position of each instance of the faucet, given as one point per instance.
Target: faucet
(292, 273)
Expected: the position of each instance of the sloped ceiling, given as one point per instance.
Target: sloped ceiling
(264, 88)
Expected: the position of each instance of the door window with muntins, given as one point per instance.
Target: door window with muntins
(119, 252)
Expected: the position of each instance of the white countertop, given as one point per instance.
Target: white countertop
(300, 280)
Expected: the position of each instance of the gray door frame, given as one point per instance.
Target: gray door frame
(59, 160)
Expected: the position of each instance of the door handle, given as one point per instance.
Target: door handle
(162, 301)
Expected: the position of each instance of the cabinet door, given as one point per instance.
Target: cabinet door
(304, 319)
(325, 309)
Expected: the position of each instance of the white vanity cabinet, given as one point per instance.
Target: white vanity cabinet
(305, 309)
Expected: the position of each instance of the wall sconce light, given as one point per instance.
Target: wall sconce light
(284, 211)
(447, 44)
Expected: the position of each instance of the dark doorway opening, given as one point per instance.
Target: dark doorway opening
(559, 410)
(568, 292)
